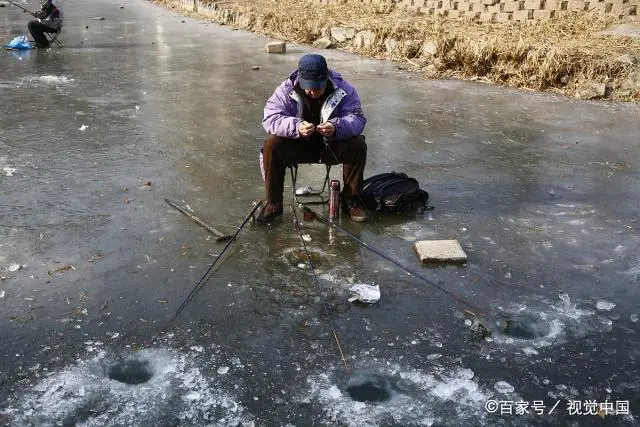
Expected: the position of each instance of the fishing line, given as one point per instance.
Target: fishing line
(200, 283)
(388, 258)
(25, 10)
(296, 224)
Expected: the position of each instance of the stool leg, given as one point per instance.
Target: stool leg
(294, 176)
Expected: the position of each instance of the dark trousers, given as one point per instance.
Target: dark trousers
(282, 152)
(37, 30)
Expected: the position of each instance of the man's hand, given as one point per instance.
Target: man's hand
(327, 129)
(306, 128)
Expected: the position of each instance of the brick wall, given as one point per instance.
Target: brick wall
(514, 10)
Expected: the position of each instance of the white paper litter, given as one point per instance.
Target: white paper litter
(83, 127)
(303, 190)
(1, 294)
(369, 294)
(306, 237)
(14, 267)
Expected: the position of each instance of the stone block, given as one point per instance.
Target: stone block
(543, 14)
(477, 7)
(454, 14)
(341, 34)
(511, 6)
(434, 251)
(533, 4)
(322, 43)
(275, 47)
(522, 15)
(598, 7)
(429, 48)
(391, 45)
(494, 8)
(575, 5)
(464, 6)
(551, 5)
(490, 2)
(592, 90)
(632, 83)
(365, 39)
(503, 16)
(621, 10)
(487, 16)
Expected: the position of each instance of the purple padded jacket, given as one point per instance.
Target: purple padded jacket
(342, 108)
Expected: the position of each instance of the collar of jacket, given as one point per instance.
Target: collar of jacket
(329, 104)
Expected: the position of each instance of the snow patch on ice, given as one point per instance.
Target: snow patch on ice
(416, 398)
(83, 394)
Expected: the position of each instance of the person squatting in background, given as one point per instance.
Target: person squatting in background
(49, 20)
(314, 116)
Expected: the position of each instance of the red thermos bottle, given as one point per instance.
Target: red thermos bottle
(334, 199)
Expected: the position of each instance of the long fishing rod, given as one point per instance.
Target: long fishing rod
(310, 213)
(25, 10)
(296, 224)
(200, 283)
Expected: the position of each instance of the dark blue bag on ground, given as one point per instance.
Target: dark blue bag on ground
(393, 192)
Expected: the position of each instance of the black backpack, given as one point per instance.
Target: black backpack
(393, 192)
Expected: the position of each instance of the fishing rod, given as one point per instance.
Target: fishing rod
(200, 283)
(23, 9)
(296, 225)
(313, 215)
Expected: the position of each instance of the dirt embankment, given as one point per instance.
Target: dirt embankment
(567, 55)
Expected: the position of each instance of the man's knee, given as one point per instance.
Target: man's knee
(273, 143)
(358, 144)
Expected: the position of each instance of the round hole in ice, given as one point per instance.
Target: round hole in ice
(373, 389)
(131, 371)
(523, 326)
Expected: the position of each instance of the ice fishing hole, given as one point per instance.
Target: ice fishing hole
(131, 371)
(522, 326)
(298, 257)
(371, 389)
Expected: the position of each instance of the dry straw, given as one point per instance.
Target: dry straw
(563, 54)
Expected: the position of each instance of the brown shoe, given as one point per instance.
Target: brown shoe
(270, 211)
(355, 209)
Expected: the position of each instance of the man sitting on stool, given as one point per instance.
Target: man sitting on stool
(50, 18)
(314, 116)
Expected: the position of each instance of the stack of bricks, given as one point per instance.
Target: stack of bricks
(514, 10)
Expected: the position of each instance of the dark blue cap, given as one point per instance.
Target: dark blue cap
(312, 71)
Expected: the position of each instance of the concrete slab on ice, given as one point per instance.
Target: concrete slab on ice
(431, 251)
(275, 47)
